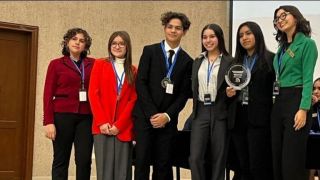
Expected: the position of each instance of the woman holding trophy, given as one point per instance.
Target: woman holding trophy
(251, 111)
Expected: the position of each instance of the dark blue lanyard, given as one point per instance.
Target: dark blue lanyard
(318, 115)
(283, 51)
(250, 65)
(169, 68)
(210, 67)
(118, 80)
(81, 71)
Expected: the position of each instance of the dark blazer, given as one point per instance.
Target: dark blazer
(61, 89)
(222, 101)
(152, 97)
(315, 124)
(260, 93)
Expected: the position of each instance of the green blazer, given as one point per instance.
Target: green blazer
(297, 67)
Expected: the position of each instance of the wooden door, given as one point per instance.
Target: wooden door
(17, 100)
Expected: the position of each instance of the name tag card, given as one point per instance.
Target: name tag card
(169, 88)
(276, 88)
(245, 96)
(207, 99)
(82, 95)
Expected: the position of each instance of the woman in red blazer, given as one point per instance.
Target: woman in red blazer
(67, 114)
(112, 97)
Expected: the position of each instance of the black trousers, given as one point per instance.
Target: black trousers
(252, 147)
(72, 128)
(288, 145)
(154, 147)
(208, 133)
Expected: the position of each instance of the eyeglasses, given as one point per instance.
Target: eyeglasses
(282, 17)
(120, 44)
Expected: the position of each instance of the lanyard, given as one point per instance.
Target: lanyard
(118, 80)
(81, 71)
(210, 67)
(280, 61)
(318, 115)
(169, 69)
(250, 65)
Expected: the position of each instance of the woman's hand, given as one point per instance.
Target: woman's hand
(50, 130)
(314, 99)
(104, 128)
(300, 119)
(114, 130)
(230, 91)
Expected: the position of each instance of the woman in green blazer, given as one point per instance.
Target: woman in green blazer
(291, 119)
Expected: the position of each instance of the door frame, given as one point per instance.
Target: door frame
(32, 53)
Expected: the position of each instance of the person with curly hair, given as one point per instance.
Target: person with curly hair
(163, 86)
(67, 115)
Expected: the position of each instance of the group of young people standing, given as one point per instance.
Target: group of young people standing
(143, 104)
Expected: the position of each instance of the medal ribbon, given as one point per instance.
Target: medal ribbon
(169, 68)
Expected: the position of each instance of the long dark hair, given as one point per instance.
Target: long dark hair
(128, 56)
(219, 34)
(314, 82)
(260, 48)
(302, 25)
(70, 34)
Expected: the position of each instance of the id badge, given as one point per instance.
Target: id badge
(169, 88)
(276, 88)
(245, 96)
(207, 99)
(82, 95)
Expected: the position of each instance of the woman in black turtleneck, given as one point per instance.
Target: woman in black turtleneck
(67, 116)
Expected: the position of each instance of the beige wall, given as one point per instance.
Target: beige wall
(140, 18)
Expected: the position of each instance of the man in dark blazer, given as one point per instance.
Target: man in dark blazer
(163, 86)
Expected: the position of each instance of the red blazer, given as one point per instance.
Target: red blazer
(103, 100)
(61, 89)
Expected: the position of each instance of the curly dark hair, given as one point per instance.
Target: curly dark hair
(167, 16)
(71, 33)
(303, 25)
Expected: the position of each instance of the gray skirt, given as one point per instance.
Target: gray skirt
(113, 158)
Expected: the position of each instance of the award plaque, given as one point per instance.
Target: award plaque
(238, 76)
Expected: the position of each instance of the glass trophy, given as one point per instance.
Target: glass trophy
(238, 76)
